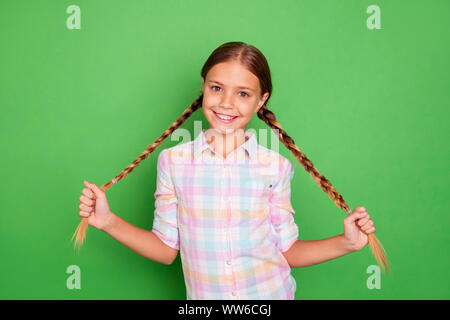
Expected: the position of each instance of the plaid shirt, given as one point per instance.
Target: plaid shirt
(231, 218)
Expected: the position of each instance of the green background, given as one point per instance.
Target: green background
(370, 109)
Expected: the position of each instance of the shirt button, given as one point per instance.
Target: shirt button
(229, 262)
(234, 294)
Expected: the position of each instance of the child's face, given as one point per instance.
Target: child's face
(222, 95)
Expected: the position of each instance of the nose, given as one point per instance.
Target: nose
(227, 100)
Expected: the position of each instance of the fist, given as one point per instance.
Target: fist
(357, 226)
(94, 206)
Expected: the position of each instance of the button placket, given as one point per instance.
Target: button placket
(224, 184)
(226, 195)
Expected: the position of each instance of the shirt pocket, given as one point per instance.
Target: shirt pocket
(257, 192)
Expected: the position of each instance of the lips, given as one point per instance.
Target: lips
(224, 118)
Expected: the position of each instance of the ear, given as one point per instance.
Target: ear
(203, 84)
(262, 101)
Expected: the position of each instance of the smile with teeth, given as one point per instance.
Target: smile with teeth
(225, 118)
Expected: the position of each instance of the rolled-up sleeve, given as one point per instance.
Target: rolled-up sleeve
(165, 222)
(281, 211)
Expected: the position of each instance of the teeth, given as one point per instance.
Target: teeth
(224, 117)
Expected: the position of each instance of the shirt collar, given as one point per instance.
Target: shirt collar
(200, 144)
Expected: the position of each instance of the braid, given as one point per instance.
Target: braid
(269, 118)
(80, 232)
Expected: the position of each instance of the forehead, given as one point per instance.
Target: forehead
(233, 74)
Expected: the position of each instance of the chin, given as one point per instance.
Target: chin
(222, 130)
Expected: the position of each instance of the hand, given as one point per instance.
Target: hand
(357, 226)
(94, 206)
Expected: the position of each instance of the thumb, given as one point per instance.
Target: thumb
(354, 216)
(98, 192)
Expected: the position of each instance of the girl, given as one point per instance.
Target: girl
(223, 200)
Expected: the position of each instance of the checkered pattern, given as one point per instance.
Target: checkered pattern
(231, 218)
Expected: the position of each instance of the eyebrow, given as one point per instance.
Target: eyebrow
(238, 87)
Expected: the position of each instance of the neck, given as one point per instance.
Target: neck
(225, 143)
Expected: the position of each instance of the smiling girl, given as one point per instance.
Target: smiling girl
(223, 200)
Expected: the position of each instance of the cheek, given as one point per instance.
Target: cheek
(206, 106)
(209, 116)
(210, 100)
(247, 111)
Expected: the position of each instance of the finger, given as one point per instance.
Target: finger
(354, 216)
(87, 201)
(363, 221)
(88, 193)
(84, 214)
(360, 209)
(370, 230)
(85, 208)
(94, 188)
(367, 226)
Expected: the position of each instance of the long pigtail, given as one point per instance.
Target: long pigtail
(269, 118)
(80, 232)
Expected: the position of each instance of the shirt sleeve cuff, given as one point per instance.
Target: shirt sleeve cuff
(169, 242)
(287, 245)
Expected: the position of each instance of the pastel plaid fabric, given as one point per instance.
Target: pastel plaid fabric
(231, 218)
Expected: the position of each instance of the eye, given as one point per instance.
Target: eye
(246, 94)
(212, 87)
